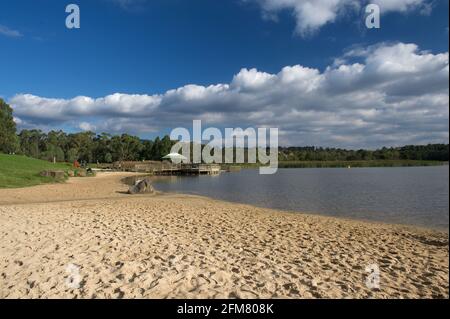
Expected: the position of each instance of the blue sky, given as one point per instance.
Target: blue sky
(142, 49)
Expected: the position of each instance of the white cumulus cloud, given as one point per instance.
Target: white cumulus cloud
(4, 30)
(85, 126)
(311, 15)
(386, 94)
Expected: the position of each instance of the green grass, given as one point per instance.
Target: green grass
(20, 171)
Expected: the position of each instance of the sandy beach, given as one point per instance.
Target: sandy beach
(88, 239)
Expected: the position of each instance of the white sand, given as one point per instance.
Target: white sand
(179, 246)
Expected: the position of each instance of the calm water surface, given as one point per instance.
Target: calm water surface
(405, 195)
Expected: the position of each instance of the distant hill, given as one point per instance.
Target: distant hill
(20, 171)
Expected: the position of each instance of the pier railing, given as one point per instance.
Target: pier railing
(164, 168)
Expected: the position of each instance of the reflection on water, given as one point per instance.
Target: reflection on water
(406, 195)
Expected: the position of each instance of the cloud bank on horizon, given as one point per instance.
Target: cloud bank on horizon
(386, 94)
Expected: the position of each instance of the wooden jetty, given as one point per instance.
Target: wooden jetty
(163, 168)
(190, 169)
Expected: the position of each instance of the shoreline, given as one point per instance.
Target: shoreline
(122, 176)
(311, 213)
(190, 246)
(314, 214)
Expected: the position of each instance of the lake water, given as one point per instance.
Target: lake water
(405, 195)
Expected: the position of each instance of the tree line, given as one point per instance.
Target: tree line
(8, 138)
(107, 148)
(90, 147)
(85, 146)
(430, 152)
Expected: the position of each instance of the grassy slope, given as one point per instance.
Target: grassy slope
(21, 171)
